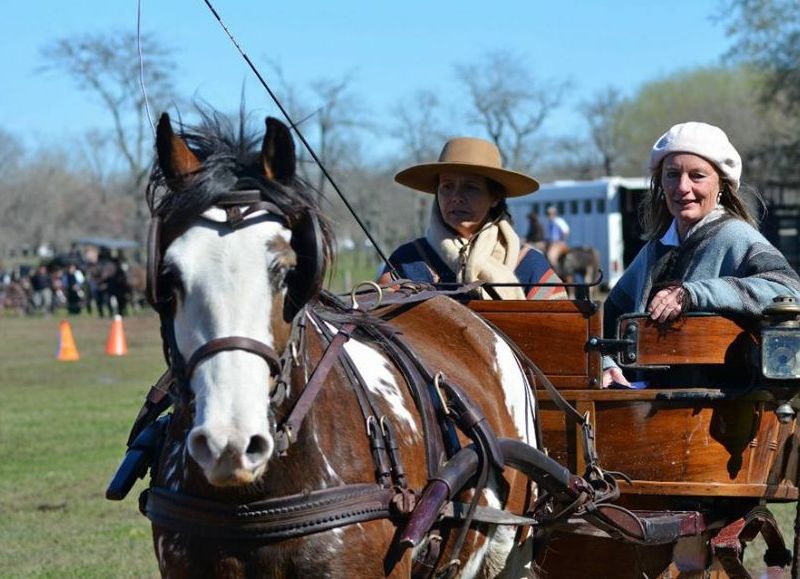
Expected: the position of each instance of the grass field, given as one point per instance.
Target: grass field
(63, 427)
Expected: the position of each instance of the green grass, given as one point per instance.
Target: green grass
(350, 268)
(63, 427)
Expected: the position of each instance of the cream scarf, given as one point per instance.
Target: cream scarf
(490, 256)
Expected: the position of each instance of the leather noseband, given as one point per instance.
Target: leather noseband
(234, 343)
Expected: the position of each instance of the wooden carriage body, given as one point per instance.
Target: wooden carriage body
(702, 436)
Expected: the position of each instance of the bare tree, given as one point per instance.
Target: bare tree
(11, 152)
(338, 120)
(508, 103)
(568, 157)
(603, 114)
(106, 65)
(418, 127)
(332, 118)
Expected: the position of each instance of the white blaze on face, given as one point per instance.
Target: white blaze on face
(226, 292)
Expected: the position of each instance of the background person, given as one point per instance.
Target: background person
(535, 235)
(42, 290)
(704, 251)
(469, 236)
(556, 232)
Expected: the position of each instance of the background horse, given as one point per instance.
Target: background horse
(579, 264)
(237, 249)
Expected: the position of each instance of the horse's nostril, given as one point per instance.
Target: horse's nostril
(258, 447)
(200, 449)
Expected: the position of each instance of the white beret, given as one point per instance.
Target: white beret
(701, 139)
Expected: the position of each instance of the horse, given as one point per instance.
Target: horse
(237, 253)
(583, 261)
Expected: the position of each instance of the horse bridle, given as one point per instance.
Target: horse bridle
(235, 218)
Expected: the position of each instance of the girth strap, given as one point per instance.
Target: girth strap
(272, 519)
(233, 343)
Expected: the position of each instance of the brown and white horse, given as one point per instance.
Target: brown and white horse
(229, 273)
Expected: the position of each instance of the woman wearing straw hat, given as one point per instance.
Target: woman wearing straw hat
(704, 251)
(469, 236)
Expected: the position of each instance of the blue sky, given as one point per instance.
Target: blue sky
(390, 49)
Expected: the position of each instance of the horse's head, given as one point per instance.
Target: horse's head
(236, 249)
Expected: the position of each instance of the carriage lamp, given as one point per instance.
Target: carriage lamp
(780, 339)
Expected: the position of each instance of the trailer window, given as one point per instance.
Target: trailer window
(573, 207)
(601, 205)
(560, 207)
(587, 206)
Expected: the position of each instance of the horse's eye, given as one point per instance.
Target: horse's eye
(170, 283)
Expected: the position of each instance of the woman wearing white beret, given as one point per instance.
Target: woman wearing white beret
(703, 250)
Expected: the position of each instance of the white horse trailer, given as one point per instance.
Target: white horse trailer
(600, 213)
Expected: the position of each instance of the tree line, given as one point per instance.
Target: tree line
(95, 186)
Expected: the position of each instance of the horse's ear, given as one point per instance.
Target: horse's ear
(175, 159)
(277, 152)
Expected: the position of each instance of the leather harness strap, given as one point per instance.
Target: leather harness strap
(233, 343)
(272, 519)
(291, 426)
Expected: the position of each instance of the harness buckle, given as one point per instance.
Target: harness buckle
(438, 387)
(234, 216)
(449, 570)
(283, 439)
(370, 423)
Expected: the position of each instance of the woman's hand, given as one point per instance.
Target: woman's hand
(614, 374)
(668, 304)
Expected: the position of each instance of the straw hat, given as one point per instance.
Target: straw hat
(469, 155)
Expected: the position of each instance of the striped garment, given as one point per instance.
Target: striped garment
(418, 261)
(725, 265)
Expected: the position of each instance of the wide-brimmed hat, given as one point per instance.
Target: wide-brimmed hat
(469, 155)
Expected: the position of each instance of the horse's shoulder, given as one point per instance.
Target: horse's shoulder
(447, 326)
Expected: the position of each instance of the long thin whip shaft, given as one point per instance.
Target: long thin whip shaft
(302, 138)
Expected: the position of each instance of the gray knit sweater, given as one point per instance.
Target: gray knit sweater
(734, 270)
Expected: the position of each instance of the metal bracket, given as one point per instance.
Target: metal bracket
(625, 348)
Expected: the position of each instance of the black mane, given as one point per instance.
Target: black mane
(230, 157)
(230, 154)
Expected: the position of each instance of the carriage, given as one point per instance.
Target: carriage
(415, 456)
(707, 443)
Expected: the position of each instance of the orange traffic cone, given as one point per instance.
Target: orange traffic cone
(67, 351)
(116, 344)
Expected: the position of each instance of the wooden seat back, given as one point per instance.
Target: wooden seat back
(696, 339)
(554, 334)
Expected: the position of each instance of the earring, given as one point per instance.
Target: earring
(719, 197)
